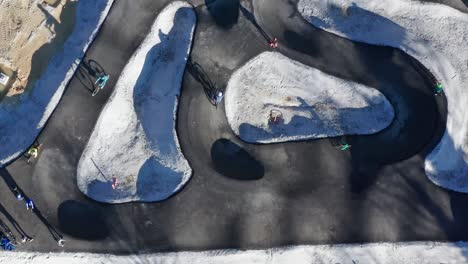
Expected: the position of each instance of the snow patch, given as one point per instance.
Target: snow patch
(22, 120)
(434, 34)
(275, 99)
(134, 145)
(382, 253)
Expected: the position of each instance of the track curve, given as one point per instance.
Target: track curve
(294, 193)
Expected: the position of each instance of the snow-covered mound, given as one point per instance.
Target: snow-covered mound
(382, 253)
(434, 34)
(275, 99)
(134, 142)
(21, 120)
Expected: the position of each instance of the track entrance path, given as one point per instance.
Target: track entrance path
(243, 195)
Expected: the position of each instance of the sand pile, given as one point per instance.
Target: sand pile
(26, 26)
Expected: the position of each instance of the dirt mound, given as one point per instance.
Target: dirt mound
(26, 25)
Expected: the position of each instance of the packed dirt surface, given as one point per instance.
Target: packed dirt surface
(26, 27)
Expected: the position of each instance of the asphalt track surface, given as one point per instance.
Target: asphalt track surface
(243, 195)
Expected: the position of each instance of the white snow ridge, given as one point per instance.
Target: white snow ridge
(382, 253)
(275, 99)
(134, 141)
(434, 34)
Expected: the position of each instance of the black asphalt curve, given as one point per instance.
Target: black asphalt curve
(245, 195)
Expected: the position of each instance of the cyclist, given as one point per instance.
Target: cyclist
(345, 146)
(273, 43)
(18, 194)
(33, 152)
(101, 82)
(439, 88)
(218, 97)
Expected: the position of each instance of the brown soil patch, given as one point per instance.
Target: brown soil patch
(27, 27)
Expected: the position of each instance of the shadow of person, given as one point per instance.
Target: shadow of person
(233, 161)
(10, 182)
(155, 100)
(93, 68)
(51, 22)
(40, 61)
(460, 217)
(302, 126)
(12, 185)
(85, 78)
(52, 230)
(157, 180)
(199, 74)
(156, 86)
(250, 17)
(13, 222)
(88, 72)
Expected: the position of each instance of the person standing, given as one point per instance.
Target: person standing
(29, 204)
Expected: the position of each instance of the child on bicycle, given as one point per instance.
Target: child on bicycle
(273, 43)
(33, 152)
(439, 89)
(19, 196)
(101, 81)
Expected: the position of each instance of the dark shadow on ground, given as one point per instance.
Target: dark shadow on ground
(143, 94)
(85, 79)
(224, 12)
(88, 72)
(364, 174)
(251, 18)
(231, 160)
(460, 217)
(56, 235)
(82, 220)
(315, 190)
(336, 12)
(11, 185)
(417, 127)
(294, 39)
(41, 58)
(147, 96)
(299, 126)
(50, 20)
(152, 175)
(199, 74)
(13, 222)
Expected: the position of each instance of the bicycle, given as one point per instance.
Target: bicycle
(216, 97)
(6, 243)
(101, 82)
(439, 88)
(94, 69)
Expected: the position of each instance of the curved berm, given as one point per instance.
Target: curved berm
(133, 153)
(275, 99)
